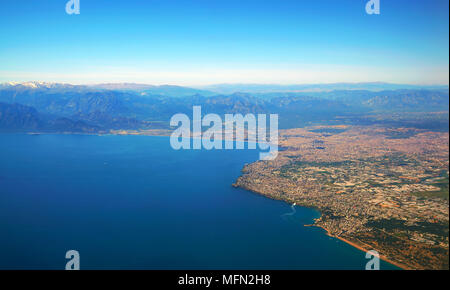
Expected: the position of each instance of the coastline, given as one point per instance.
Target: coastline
(361, 248)
(165, 134)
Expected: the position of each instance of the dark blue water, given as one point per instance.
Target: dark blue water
(131, 202)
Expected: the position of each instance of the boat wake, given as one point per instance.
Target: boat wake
(290, 213)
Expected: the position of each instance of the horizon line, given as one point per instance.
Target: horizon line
(226, 83)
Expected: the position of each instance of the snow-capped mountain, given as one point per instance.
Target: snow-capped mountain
(35, 85)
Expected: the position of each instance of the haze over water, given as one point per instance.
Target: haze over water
(132, 202)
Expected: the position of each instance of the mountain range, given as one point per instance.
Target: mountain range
(54, 107)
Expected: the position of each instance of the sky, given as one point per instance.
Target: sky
(201, 42)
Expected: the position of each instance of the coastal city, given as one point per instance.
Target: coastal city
(376, 188)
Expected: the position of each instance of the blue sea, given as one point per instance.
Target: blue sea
(132, 202)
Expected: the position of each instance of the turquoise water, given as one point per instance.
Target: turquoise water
(131, 202)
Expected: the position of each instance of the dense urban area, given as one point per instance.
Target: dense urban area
(376, 188)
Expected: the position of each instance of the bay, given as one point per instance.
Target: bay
(132, 202)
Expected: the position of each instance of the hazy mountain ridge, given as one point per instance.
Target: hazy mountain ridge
(152, 90)
(65, 107)
(19, 118)
(311, 88)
